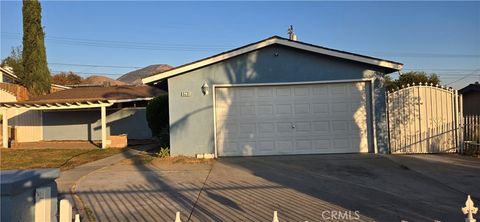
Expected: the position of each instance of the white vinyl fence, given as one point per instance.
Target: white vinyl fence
(65, 213)
(471, 135)
(424, 119)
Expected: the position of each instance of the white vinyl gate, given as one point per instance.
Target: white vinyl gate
(424, 119)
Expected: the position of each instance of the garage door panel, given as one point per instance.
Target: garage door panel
(246, 93)
(341, 143)
(283, 91)
(299, 119)
(340, 126)
(246, 130)
(341, 107)
(265, 92)
(321, 144)
(357, 107)
(227, 129)
(360, 142)
(266, 109)
(224, 109)
(301, 91)
(284, 127)
(339, 91)
(303, 126)
(303, 145)
(320, 92)
(266, 127)
(321, 108)
(228, 148)
(247, 110)
(224, 96)
(321, 126)
(247, 148)
(284, 146)
(302, 108)
(266, 146)
(283, 109)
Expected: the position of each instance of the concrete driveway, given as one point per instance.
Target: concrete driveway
(301, 188)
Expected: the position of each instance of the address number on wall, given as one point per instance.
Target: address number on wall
(186, 94)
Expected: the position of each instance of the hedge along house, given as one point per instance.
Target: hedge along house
(89, 113)
(278, 97)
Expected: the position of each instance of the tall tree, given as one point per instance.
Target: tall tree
(14, 60)
(67, 78)
(410, 78)
(35, 70)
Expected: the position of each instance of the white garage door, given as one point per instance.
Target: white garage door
(292, 119)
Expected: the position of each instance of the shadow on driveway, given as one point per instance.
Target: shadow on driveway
(300, 188)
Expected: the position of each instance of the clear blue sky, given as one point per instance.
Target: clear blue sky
(441, 37)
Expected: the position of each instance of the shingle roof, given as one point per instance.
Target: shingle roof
(475, 87)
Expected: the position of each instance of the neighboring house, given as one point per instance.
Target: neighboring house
(8, 84)
(7, 75)
(26, 123)
(90, 113)
(471, 99)
(276, 97)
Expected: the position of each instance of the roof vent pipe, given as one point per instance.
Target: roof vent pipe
(291, 34)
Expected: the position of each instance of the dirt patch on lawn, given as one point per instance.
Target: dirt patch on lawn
(181, 163)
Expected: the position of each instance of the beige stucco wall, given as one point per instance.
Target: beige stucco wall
(7, 97)
(28, 123)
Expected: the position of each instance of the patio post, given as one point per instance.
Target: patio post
(104, 126)
(4, 128)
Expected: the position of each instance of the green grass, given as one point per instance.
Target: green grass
(51, 158)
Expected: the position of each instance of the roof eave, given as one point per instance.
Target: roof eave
(389, 65)
(469, 88)
(9, 73)
(45, 105)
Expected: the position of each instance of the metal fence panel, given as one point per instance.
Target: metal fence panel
(423, 119)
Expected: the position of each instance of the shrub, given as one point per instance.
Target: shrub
(157, 118)
(164, 152)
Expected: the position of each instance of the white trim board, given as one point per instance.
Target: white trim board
(56, 106)
(8, 73)
(268, 42)
(369, 81)
(294, 83)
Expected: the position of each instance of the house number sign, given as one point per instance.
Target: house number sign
(186, 94)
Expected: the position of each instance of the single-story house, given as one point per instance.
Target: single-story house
(87, 113)
(277, 97)
(25, 121)
(10, 89)
(471, 99)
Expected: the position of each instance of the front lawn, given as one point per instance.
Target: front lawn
(51, 158)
